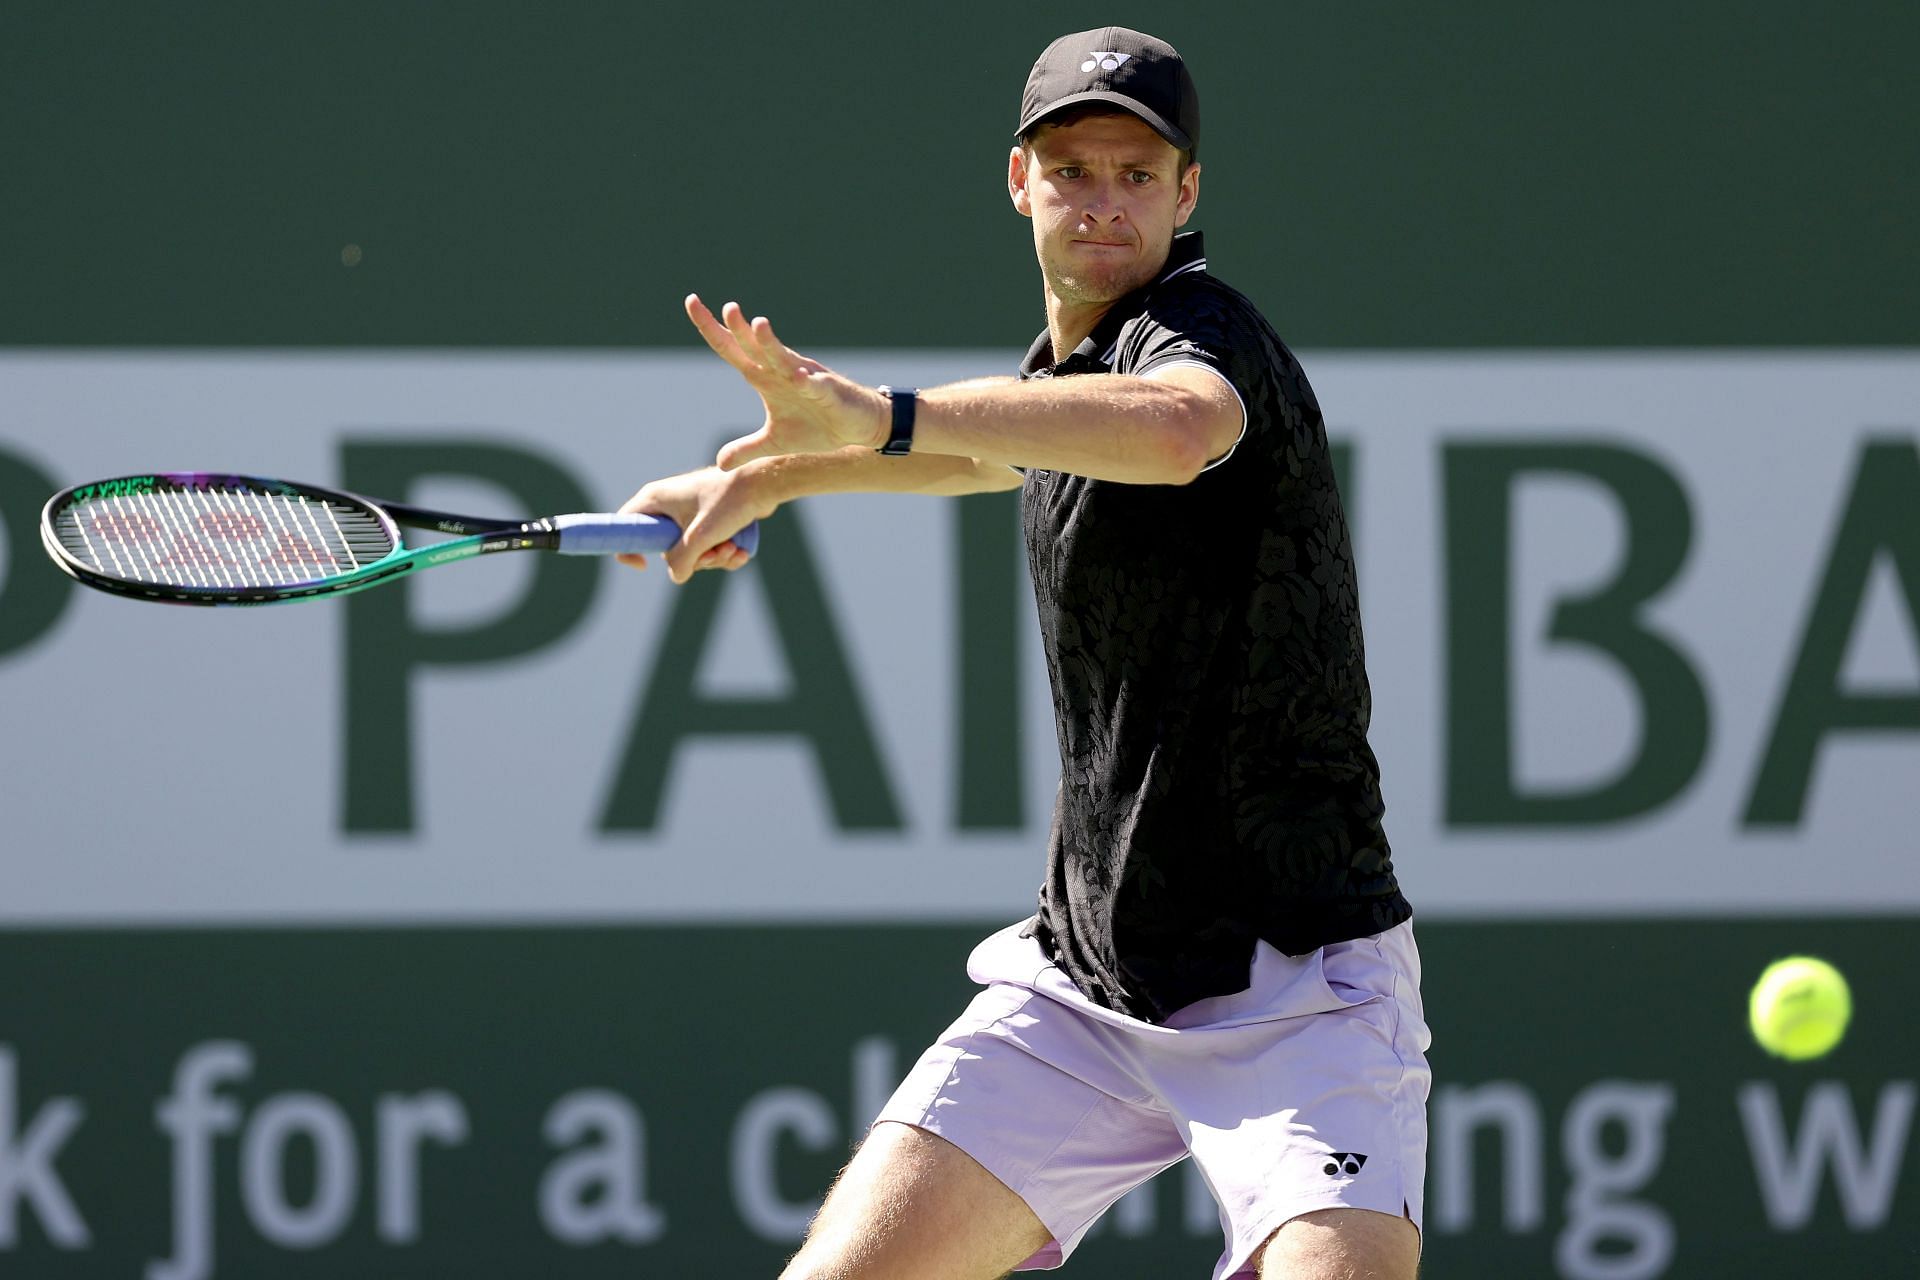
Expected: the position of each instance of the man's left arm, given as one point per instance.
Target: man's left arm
(1163, 427)
(1160, 428)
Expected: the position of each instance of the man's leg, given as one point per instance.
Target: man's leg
(1315, 1145)
(913, 1205)
(1341, 1244)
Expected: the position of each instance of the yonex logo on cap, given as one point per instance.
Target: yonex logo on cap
(1347, 1162)
(1105, 60)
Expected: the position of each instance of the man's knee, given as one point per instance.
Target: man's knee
(1342, 1244)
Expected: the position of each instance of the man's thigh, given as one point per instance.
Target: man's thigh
(911, 1204)
(1323, 1112)
(1342, 1244)
(1044, 1099)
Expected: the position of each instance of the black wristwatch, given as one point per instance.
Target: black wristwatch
(900, 436)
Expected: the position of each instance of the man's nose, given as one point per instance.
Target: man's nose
(1102, 204)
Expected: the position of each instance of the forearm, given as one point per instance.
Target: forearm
(1106, 426)
(712, 505)
(857, 469)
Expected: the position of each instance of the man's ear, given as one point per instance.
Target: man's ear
(1189, 195)
(1017, 181)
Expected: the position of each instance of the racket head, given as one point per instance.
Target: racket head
(209, 538)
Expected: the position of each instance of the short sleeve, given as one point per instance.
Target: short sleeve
(1190, 323)
(1186, 322)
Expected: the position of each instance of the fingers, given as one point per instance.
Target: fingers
(741, 331)
(683, 563)
(668, 498)
(782, 358)
(706, 542)
(725, 556)
(756, 339)
(687, 556)
(779, 356)
(738, 453)
(748, 345)
(721, 337)
(641, 503)
(707, 507)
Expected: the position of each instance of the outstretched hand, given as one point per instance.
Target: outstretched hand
(810, 408)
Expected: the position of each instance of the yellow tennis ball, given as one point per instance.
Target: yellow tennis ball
(1799, 1008)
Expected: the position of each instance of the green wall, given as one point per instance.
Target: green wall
(1378, 175)
(1386, 176)
(1620, 1047)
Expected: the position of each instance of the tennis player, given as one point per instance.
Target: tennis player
(1222, 964)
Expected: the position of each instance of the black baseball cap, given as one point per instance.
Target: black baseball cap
(1130, 69)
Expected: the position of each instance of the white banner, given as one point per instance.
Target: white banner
(1683, 730)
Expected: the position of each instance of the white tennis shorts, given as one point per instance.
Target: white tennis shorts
(1306, 1091)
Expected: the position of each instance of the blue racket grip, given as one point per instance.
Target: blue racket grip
(590, 534)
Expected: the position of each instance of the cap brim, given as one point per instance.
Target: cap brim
(1161, 125)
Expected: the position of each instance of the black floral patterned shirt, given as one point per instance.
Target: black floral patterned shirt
(1209, 680)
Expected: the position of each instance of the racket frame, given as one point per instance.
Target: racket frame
(474, 536)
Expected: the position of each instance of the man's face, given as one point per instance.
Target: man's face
(1105, 194)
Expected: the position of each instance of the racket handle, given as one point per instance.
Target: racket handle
(589, 534)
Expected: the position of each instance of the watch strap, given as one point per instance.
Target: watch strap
(900, 433)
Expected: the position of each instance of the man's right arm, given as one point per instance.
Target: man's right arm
(711, 505)
(862, 470)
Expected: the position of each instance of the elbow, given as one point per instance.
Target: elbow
(1182, 453)
(1196, 430)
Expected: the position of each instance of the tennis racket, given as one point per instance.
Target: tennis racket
(202, 538)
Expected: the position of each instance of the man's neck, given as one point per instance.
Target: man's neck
(1070, 323)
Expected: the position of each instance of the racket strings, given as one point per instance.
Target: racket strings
(221, 536)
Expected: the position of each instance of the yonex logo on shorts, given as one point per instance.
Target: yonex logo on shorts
(1105, 60)
(1347, 1162)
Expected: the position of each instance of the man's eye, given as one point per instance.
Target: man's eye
(1069, 171)
(1139, 177)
